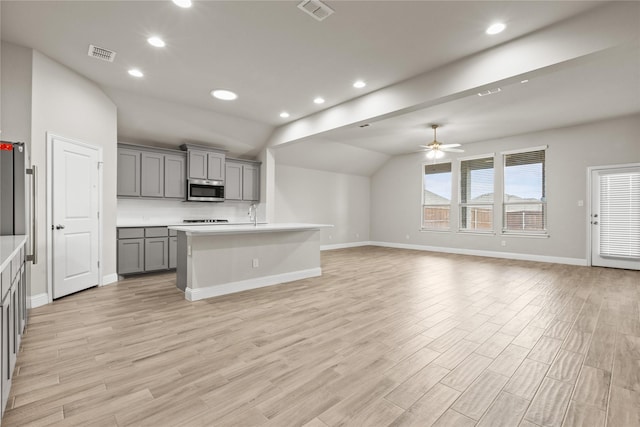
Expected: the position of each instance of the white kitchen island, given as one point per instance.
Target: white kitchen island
(222, 259)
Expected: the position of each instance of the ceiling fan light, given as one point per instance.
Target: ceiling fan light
(438, 154)
(431, 154)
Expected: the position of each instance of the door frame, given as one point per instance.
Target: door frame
(589, 204)
(49, 223)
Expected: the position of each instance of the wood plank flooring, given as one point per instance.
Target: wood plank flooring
(384, 337)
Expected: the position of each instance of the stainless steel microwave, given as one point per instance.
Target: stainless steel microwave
(203, 190)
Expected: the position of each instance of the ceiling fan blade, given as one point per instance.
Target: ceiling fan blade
(428, 147)
(452, 150)
(449, 145)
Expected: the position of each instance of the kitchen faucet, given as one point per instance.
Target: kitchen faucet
(253, 214)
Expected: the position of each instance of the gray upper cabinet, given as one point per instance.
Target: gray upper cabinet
(153, 172)
(215, 162)
(233, 181)
(242, 181)
(198, 164)
(206, 165)
(152, 184)
(129, 172)
(250, 182)
(175, 175)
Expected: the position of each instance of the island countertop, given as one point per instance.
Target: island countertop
(201, 230)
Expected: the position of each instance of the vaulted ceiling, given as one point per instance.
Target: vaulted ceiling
(276, 58)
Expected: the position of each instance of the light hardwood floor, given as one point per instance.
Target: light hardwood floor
(384, 337)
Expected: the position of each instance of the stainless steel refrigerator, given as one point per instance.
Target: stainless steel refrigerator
(17, 193)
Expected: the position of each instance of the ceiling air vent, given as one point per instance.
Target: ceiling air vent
(101, 53)
(315, 8)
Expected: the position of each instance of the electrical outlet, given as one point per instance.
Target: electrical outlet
(357, 235)
(256, 263)
(580, 202)
(407, 237)
(503, 243)
(330, 237)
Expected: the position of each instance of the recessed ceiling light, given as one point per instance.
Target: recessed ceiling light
(284, 114)
(156, 41)
(496, 28)
(182, 3)
(135, 72)
(359, 84)
(318, 100)
(225, 95)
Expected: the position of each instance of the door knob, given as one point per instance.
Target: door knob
(594, 222)
(59, 227)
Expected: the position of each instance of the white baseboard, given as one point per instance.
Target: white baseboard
(37, 300)
(244, 285)
(492, 254)
(109, 279)
(343, 246)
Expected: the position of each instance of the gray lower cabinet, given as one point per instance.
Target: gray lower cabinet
(13, 318)
(156, 253)
(242, 181)
(128, 172)
(130, 256)
(146, 249)
(152, 181)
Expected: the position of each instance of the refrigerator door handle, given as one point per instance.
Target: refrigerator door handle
(34, 215)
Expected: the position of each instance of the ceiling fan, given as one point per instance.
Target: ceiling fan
(436, 149)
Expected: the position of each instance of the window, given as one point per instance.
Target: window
(524, 202)
(476, 194)
(436, 199)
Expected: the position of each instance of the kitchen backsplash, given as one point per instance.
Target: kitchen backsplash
(159, 211)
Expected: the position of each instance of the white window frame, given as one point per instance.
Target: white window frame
(536, 233)
(462, 205)
(423, 206)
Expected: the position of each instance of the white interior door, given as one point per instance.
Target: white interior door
(615, 217)
(75, 203)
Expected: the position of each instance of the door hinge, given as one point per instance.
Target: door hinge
(98, 215)
(98, 264)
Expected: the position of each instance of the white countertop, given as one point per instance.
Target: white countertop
(9, 247)
(200, 230)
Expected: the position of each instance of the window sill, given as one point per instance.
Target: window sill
(434, 231)
(526, 235)
(478, 233)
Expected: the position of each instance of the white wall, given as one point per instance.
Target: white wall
(150, 211)
(16, 93)
(396, 190)
(307, 195)
(69, 105)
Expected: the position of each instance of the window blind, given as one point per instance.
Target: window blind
(524, 198)
(476, 180)
(436, 199)
(476, 194)
(620, 215)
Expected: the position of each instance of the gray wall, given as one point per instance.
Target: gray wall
(308, 195)
(396, 190)
(68, 105)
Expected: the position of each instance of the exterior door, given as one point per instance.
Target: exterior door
(75, 217)
(615, 217)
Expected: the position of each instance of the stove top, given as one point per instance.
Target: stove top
(207, 221)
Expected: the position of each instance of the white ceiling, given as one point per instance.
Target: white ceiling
(278, 58)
